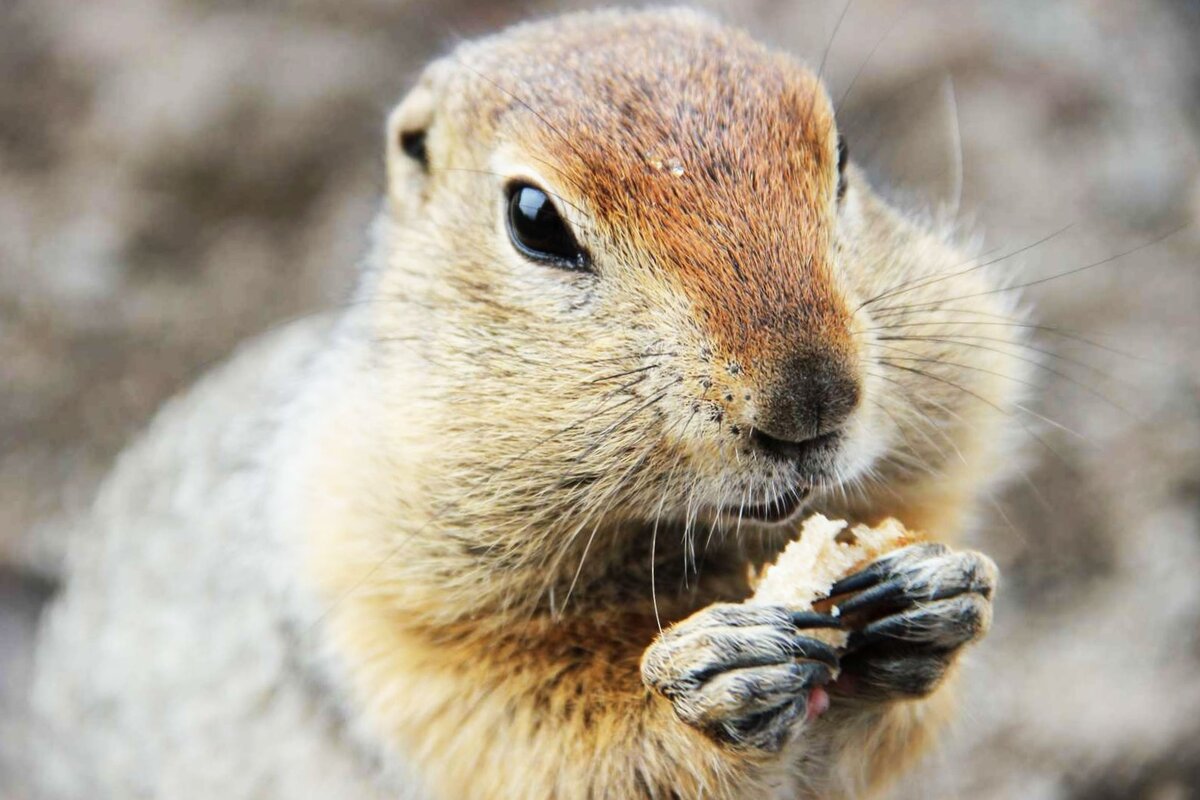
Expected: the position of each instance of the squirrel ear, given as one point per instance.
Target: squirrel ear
(407, 135)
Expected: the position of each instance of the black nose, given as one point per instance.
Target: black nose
(811, 398)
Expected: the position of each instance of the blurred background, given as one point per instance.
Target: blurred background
(177, 175)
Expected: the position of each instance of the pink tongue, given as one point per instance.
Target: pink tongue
(818, 702)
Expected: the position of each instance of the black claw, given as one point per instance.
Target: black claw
(767, 730)
(818, 674)
(932, 629)
(861, 580)
(876, 594)
(814, 619)
(816, 651)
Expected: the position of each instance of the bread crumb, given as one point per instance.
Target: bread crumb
(826, 551)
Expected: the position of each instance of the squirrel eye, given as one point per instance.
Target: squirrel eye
(413, 145)
(539, 232)
(843, 155)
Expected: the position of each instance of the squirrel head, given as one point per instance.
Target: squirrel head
(627, 277)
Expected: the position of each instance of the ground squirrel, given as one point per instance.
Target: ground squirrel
(628, 314)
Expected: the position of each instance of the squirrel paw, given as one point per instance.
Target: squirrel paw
(742, 673)
(911, 612)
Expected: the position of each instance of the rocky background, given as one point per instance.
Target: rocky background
(176, 175)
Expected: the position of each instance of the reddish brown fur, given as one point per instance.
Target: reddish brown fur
(744, 230)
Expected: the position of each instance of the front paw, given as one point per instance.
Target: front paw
(912, 612)
(743, 674)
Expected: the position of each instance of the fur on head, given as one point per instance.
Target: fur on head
(744, 328)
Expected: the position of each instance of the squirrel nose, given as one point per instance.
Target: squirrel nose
(812, 397)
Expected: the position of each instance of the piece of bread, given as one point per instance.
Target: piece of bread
(826, 551)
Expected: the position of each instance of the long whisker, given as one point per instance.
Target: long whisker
(435, 517)
(1034, 362)
(597, 504)
(624, 374)
(1049, 329)
(909, 394)
(657, 397)
(909, 286)
(654, 543)
(1019, 406)
(984, 400)
(1064, 274)
(634, 357)
(956, 338)
(878, 42)
(591, 537)
(825, 55)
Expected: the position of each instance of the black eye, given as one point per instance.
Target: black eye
(413, 145)
(843, 157)
(538, 231)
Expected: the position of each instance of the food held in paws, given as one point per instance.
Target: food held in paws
(826, 551)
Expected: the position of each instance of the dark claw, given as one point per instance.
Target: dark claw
(911, 613)
(816, 651)
(742, 673)
(816, 674)
(940, 626)
(768, 730)
(895, 629)
(814, 619)
(887, 566)
(863, 579)
(880, 593)
(904, 591)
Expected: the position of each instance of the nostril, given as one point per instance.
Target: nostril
(810, 395)
(788, 450)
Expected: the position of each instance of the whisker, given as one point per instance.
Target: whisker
(1019, 406)
(984, 400)
(1057, 373)
(825, 55)
(591, 537)
(624, 374)
(654, 544)
(656, 398)
(837, 109)
(909, 394)
(632, 357)
(1065, 273)
(906, 287)
(955, 339)
(1052, 330)
(928, 360)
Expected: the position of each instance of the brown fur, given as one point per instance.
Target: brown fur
(510, 500)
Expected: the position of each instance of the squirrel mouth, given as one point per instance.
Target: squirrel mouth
(779, 509)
